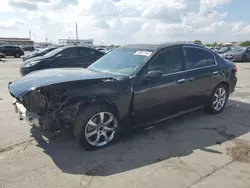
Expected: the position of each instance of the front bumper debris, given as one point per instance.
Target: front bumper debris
(32, 118)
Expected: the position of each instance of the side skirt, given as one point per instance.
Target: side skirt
(169, 117)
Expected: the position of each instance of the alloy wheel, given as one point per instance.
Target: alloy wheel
(100, 129)
(219, 99)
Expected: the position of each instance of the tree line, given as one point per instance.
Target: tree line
(245, 43)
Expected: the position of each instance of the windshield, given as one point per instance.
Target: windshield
(53, 52)
(45, 51)
(122, 61)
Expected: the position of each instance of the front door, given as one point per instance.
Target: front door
(155, 99)
(202, 75)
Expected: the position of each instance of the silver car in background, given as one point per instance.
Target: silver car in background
(238, 54)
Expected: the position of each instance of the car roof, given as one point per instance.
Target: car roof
(66, 47)
(155, 47)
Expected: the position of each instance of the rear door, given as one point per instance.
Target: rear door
(88, 56)
(6, 50)
(202, 74)
(69, 57)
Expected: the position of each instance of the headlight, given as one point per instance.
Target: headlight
(32, 63)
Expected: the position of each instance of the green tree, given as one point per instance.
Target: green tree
(246, 43)
(198, 42)
(209, 45)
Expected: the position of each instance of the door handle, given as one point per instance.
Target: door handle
(181, 80)
(215, 72)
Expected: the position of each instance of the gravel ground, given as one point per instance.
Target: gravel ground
(193, 151)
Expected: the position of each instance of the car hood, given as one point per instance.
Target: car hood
(52, 76)
(38, 58)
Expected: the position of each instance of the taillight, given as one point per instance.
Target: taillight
(234, 69)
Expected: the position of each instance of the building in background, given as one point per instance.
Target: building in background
(16, 41)
(81, 42)
(42, 44)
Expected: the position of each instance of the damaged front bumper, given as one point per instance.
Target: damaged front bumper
(32, 118)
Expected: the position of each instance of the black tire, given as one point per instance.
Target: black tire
(81, 122)
(17, 56)
(209, 108)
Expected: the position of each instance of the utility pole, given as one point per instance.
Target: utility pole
(30, 34)
(76, 34)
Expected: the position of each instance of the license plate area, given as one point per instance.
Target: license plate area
(32, 118)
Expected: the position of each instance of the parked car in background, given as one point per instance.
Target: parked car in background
(28, 48)
(101, 50)
(238, 54)
(39, 53)
(214, 49)
(223, 50)
(68, 56)
(132, 86)
(11, 50)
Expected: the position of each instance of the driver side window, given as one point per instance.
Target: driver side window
(169, 60)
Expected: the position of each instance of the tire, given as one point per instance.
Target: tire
(17, 56)
(211, 106)
(87, 124)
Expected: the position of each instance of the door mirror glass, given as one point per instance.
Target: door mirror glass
(154, 74)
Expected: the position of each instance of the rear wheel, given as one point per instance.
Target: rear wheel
(218, 99)
(17, 55)
(96, 127)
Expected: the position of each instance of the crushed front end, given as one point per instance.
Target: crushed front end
(50, 111)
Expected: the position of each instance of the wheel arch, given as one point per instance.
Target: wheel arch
(224, 83)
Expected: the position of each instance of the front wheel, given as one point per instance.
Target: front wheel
(218, 99)
(17, 56)
(96, 127)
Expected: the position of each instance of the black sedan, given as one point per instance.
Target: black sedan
(132, 86)
(39, 53)
(74, 56)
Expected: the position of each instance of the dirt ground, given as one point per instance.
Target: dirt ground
(193, 151)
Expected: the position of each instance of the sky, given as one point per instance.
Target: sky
(127, 21)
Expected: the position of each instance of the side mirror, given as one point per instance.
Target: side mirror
(154, 74)
(58, 56)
